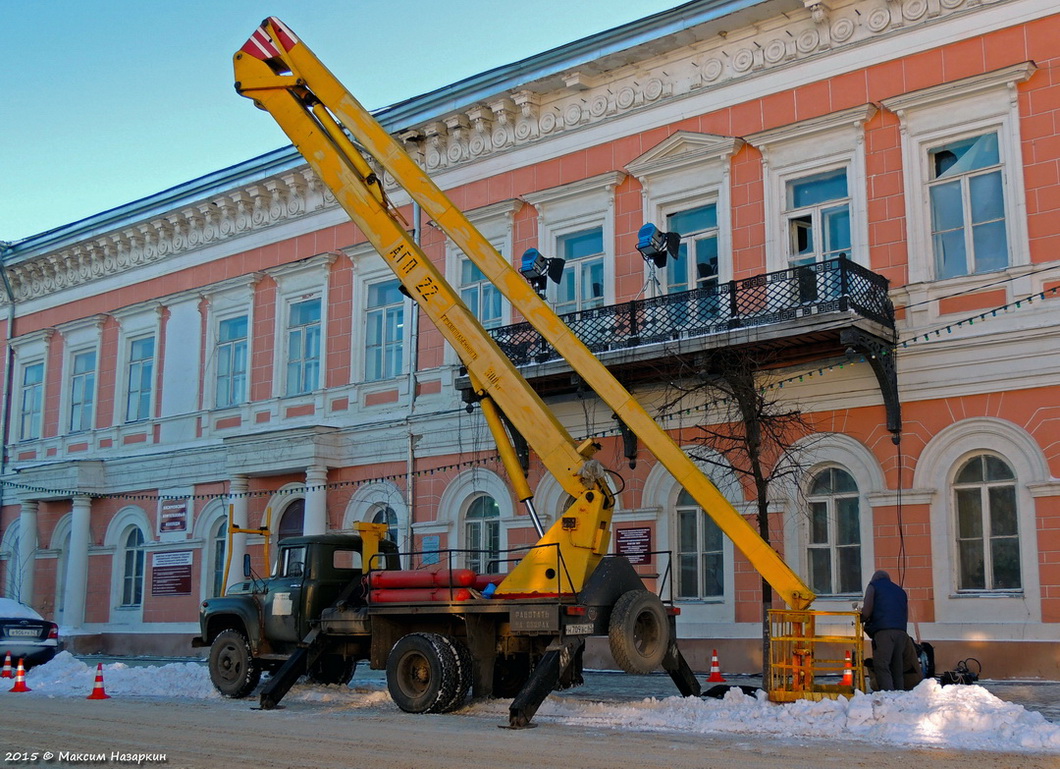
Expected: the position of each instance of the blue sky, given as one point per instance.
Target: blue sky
(107, 102)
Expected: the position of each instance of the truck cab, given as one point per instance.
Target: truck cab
(260, 622)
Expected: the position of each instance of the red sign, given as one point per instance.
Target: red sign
(171, 573)
(635, 544)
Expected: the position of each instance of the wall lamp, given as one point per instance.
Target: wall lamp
(654, 244)
(538, 269)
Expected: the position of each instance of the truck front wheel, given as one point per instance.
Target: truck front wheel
(233, 669)
(423, 673)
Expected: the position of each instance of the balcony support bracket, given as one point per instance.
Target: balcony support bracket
(880, 355)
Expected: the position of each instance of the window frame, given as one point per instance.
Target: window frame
(832, 545)
(135, 580)
(700, 553)
(305, 362)
(938, 115)
(234, 398)
(387, 349)
(482, 534)
(138, 365)
(986, 521)
(33, 429)
(89, 392)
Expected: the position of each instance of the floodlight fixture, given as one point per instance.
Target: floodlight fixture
(655, 245)
(538, 269)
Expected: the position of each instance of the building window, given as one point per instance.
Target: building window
(385, 329)
(967, 207)
(219, 544)
(82, 391)
(700, 554)
(132, 591)
(988, 545)
(389, 517)
(32, 408)
(231, 385)
(141, 378)
(817, 212)
(696, 265)
(303, 347)
(582, 284)
(834, 541)
(292, 521)
(479, 294)
(482, 529)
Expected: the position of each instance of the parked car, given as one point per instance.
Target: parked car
(26, 635)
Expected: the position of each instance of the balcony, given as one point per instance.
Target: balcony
(793, 316)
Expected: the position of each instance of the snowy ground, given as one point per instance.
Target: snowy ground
(962, 717)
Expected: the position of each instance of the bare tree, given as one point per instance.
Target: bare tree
(755, 438)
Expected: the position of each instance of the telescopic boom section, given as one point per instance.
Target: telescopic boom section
(318, 114)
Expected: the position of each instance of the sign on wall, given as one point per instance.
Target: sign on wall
(635, 544)
(173, 515)
(171, 573)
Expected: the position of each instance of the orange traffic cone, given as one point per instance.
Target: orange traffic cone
(20, 679)
(98, 692)
(848, 673)
(715, 670)
(6, 672)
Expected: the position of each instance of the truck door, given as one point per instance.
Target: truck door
(283, 602)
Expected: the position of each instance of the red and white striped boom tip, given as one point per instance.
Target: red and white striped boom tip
(262, 46)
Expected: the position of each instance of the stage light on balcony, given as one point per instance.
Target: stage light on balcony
(538, 269)
(655, 245)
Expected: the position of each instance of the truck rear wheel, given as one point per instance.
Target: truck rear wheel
(639, 632)
(233, 669)
(422, 673)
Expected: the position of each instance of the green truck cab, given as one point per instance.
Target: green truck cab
(260, 622)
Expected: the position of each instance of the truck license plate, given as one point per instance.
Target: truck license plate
(585, 628)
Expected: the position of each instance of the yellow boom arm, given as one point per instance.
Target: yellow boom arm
(283, 76)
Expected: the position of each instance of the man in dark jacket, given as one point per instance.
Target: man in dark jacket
(885, 613)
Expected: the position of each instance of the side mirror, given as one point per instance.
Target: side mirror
(246, 565)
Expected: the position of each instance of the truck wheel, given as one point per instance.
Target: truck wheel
(422, 673)
(639, 631)
(464, 676)
(333, 669)
(233, 669)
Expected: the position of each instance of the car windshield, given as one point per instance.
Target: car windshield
(12, 609)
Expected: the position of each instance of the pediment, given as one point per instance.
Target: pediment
(683, 149)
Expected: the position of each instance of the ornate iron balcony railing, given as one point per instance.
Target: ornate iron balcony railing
(832, 286)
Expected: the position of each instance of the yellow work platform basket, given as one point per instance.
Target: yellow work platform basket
(815, 655)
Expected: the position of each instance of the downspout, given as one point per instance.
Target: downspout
(9, 360)
(414, 322)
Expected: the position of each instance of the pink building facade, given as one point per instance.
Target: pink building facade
(236, 350)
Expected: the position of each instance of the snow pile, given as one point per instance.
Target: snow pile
(961, 717)
(12, 609)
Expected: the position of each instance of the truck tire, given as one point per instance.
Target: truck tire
(332, 669)
(464, 675)
(422, 673)
(233, 669)
(639, 632)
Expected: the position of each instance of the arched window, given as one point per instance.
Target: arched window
(218, 546)
(389, 517)
(292, 521)
(988, 546)
(834, 541)
(132, 592)
(482, 529)
(700, 554)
